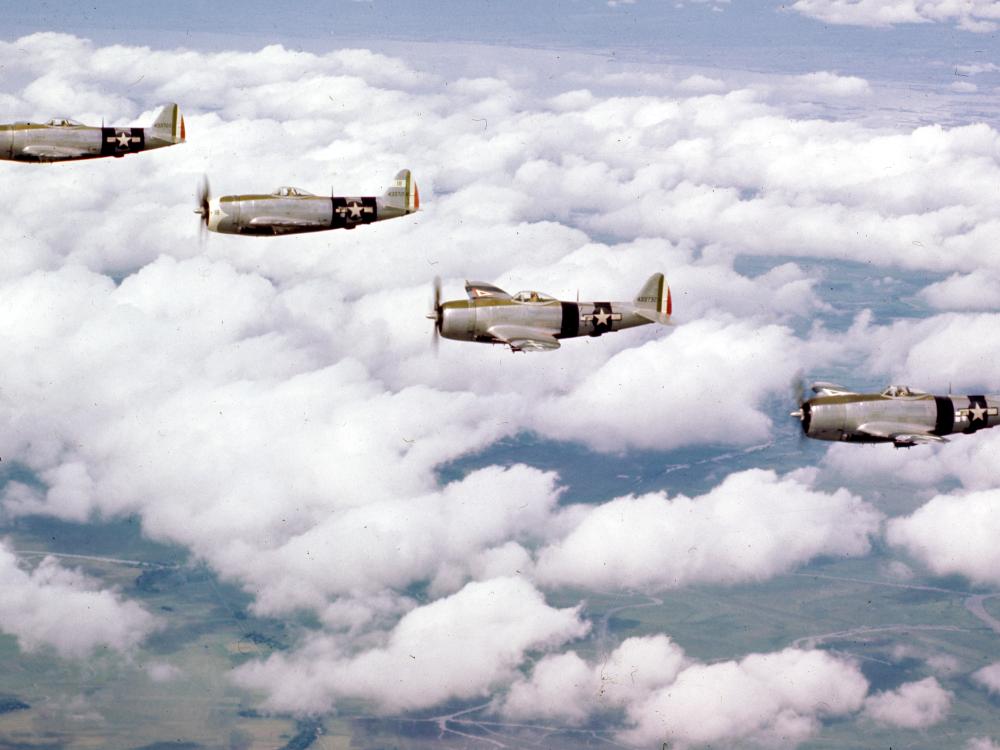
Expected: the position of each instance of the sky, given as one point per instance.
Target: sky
(818, 180)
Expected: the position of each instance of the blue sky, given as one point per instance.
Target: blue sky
(757, 35)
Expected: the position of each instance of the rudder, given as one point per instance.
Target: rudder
(168, 125)
(653, 300)
(403, 194)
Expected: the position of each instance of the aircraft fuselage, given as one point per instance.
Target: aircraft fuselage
(267, 215)
(845, 417)
(470, 320)
(47, 143)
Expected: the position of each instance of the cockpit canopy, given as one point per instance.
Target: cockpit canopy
(901, 391)
(531, 296)
(63, 122)
(290, 192)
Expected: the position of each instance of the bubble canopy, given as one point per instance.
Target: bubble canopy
(290, 192)
(531, 296)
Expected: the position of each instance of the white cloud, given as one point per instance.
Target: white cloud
(944, 664)
(978, 290)
(561, 688)
(752, 526)
(471, 527)
(701, 84)
(770, 699)
(462, 646)
(830, 84)
(964, 87)
(989, 677)
(981, 743)
(953, 534)
(965, 459)
(971, 15)
(657, 694)
(272, 404)
(914, 705)
(66, 610)
(974, 69)
(566, 688)
(701, 384)
(951, 348)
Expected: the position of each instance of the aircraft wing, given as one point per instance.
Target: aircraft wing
(523, 338)
(277, 222)
(901, 433)
(285, 224)
(43, 151)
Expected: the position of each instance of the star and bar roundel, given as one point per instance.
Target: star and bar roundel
(349, 212)
(600, 318)
(121, 141)
(976, 414)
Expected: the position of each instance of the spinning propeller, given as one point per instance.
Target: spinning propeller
(435, 314)
(204, 196)
(799, 394)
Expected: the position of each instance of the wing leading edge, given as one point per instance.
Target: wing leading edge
(900, 434)
(40, 151)
(523, 338)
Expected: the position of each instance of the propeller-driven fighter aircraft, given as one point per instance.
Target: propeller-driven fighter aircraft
(899, 415)
(61, 139)
(289, 210)
(532, 321)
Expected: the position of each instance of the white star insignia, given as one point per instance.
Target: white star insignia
(977, 412)
(123, 138)
(602, 317)
(355, 208)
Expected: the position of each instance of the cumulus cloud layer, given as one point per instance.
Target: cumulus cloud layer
(667, 697)
(460, 646)
(953, 534)
(273, 405)
(62, 608)
(971, 15)
(752, 526)
(914, 705)
(771, 699)
(989, 677)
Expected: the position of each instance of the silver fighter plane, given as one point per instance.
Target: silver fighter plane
(290, 210)
(61, 139)
(532, 321)
(899, 415)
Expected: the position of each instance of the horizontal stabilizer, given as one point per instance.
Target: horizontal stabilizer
(654, 317)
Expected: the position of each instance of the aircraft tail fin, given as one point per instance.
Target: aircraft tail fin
(168, 124)
(403, 194)
(653, 301)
